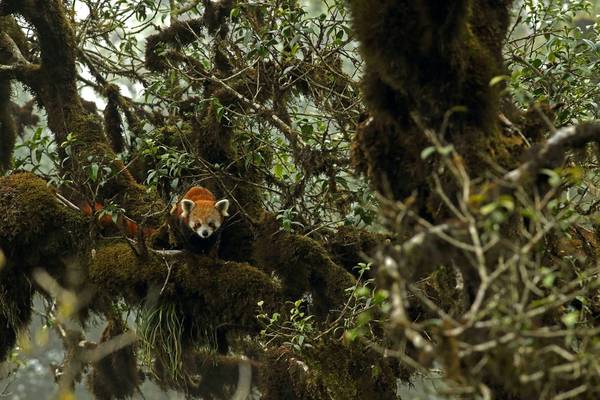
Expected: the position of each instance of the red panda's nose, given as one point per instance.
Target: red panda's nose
(204, 233)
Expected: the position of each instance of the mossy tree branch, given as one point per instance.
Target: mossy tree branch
(56, 88)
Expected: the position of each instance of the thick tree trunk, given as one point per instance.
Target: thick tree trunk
(429, 65)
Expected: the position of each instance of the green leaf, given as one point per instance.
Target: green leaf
(570, 319)
(498, 79)
(427, 152)
(94, 171)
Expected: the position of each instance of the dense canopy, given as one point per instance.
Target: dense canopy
(413, 195)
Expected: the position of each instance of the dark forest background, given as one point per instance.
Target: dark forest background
(414, 194)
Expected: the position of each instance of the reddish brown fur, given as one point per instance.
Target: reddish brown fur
(124, 223)
(204, 199)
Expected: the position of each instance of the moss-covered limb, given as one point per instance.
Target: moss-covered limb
(303, 265)
(285, 376)
(426, 52)
(551, 153)
(14, 53)
(12, 46)
(115, 376)
(350, 246)
(55, 87)
(389, 156)
(9, 26)
(179, 34)
(36, 231)
(89, 146)
(55, 84)
(330, 370)
(208, 292)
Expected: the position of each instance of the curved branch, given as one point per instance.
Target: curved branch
(551, 153)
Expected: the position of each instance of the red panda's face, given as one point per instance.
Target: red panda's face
(204, 217)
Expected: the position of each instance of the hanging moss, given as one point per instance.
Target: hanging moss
(25, 116)
(16, 296)
(8, 128)
(116, 375)
(114, 125)
(36, 231)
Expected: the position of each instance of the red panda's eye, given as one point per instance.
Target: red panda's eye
(211, 224)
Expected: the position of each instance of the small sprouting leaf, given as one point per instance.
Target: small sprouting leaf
(94, 171)
(427, 152)
(571, 318)
(498, 79)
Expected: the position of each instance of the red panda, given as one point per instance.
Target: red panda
(200, 212)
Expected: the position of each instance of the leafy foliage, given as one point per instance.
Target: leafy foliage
(486, 272)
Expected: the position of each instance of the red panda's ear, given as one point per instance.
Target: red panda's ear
(222, 206)
(186, 207)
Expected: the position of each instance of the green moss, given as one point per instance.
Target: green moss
(303, 265)
(349, 246)
(36, 229)
(283, 376)
(207, 291)
(329, 370)
(424, 58)
(354, 371)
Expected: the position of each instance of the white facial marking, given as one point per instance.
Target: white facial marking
(205, 230)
